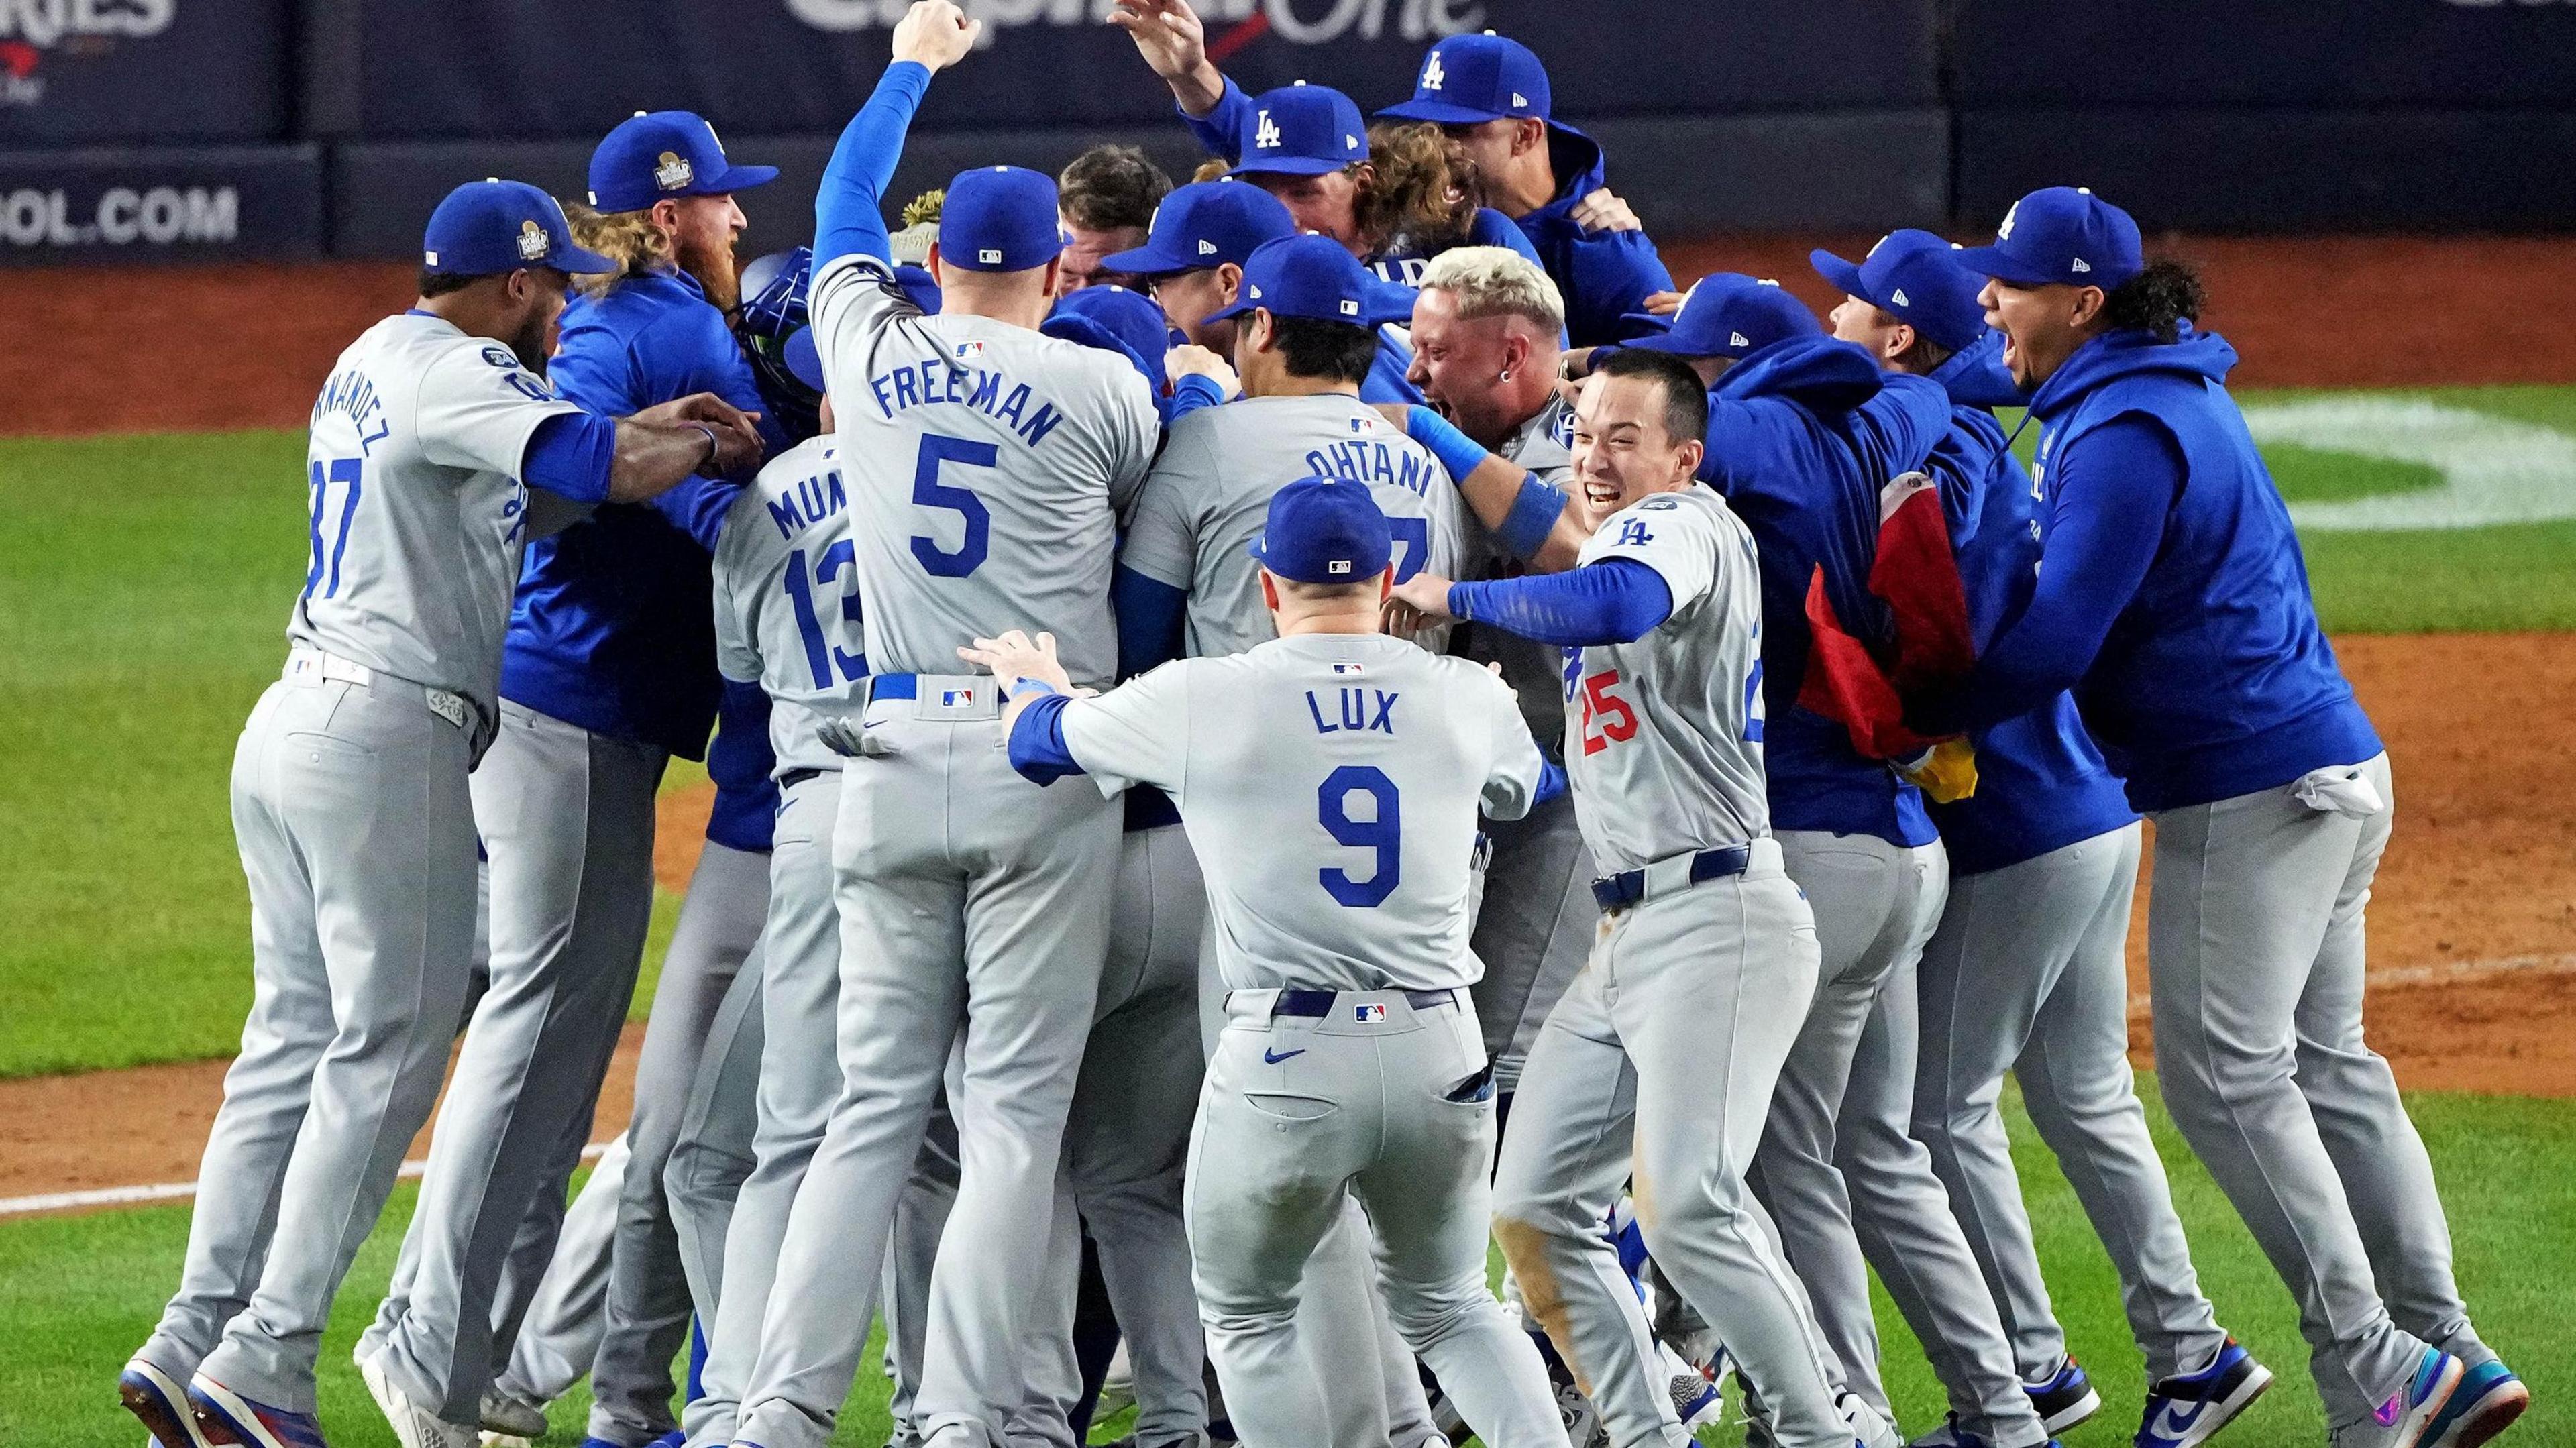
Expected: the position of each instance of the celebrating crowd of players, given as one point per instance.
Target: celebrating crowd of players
(1221, 698)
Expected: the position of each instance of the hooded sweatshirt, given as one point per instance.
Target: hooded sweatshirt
(2171, 593)
(1802, 435)
(2041, 784)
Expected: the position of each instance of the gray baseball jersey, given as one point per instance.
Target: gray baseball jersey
(1534, 669)
(1320, 779)
(986, 467)
(418, 514)
(787, 600)
(1663, 738)
(1209, 493)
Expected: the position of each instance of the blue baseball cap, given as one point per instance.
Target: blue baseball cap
(1471, 78)
(665, 153)
(804, 360)
(1204, 224)
(1727, 314)
(1324, 530)
(491, 226)
(2062, 234)
(1115, 319)
(1316, 278)
(1301, 130)
(999, 219)
(1915, 277)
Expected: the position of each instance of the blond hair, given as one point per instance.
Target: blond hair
(1422, 192)
(628, 238)
(1494, 281)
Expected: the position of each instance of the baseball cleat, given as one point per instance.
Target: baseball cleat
(2485, 1403)
(224, 1418)
(2189, 1408)
(1583, 1425)
(1868, 1429)
(414, 1426)
(160, 1401)
(2064, 1400)
(506, 1417)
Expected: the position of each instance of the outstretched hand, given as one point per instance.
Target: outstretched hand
(1015, 656)
(1173, 40)
(1426, 594)
(738, 443)
(935, 34)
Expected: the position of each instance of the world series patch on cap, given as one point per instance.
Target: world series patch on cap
(657, 154)
(488, 227)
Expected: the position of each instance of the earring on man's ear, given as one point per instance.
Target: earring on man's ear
(1507, 374)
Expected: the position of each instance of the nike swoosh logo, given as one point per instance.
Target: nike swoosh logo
(2177, 1422)
(1273, 1058)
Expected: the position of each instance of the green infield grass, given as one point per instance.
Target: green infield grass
(81, 1292)
(148, 580)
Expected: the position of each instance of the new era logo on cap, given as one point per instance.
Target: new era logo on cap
(2079, 264)
(1898, 297)
(1206, 247)
(1519, 100)
(1737, 339)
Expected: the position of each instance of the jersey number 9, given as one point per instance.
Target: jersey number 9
(1384, 834)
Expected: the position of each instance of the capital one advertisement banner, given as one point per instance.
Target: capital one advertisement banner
(89, 71)
(539, 68)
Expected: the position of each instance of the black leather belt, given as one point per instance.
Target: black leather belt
(1319, 1003)
(795, 777)
(1629, 886)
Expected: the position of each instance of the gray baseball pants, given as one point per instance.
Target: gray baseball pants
(1533, 928)
(566, 1314)
(968, 898)
(356, 832)
(2028, 973)
(1387, 1102)
(2257, 963)
(566, 818)
(1660, 1064)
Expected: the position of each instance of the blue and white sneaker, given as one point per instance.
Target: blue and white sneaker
(2485, 1403)
(224, 1418)
(2189, 1408)
(1697, 1400)
(2405, 1419)
(160, 1401)
(2064, 1400)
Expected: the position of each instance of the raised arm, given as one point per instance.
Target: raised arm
(1169, 34)
(848, 209)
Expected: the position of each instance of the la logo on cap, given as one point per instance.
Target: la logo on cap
(2004, 232)
(1432, 75)
(1265, 134)
(674, 172)
(532, 241)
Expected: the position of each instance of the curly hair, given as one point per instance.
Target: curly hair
(1423, 191)
(628, 238)
(2157, 301)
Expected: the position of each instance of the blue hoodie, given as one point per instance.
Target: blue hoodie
(1802, 436)
(2172, 595)
(1605, 275)
(612, 627)
(2041, 785)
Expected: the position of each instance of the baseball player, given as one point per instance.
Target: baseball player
(349, 790)
(1355, 961)
(984, 466)
(1666, 1047)
(1192, 260)
(2171, 596)
(2027, 969)
(607, 672)
(1186, 585)
(1107, 197)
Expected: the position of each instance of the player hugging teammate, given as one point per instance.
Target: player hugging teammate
(1248, 771)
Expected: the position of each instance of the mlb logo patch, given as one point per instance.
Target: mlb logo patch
(1348, 669)
(1368, 1015)
(956, 698)
(970, 349)
(990, 256)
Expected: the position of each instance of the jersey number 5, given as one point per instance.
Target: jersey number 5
(1600, 706)
(1384, 834)
(929, 492)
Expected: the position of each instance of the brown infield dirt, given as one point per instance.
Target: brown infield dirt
(2473, 923)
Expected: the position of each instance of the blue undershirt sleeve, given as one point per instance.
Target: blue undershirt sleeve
(1037, 742)
(1220, 131)
(698, 507)
(1191, 393)
(2112, 494)
(1151, 615)
(1614, 601)
(570, 454)
(848, 219)
(1551, 780)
